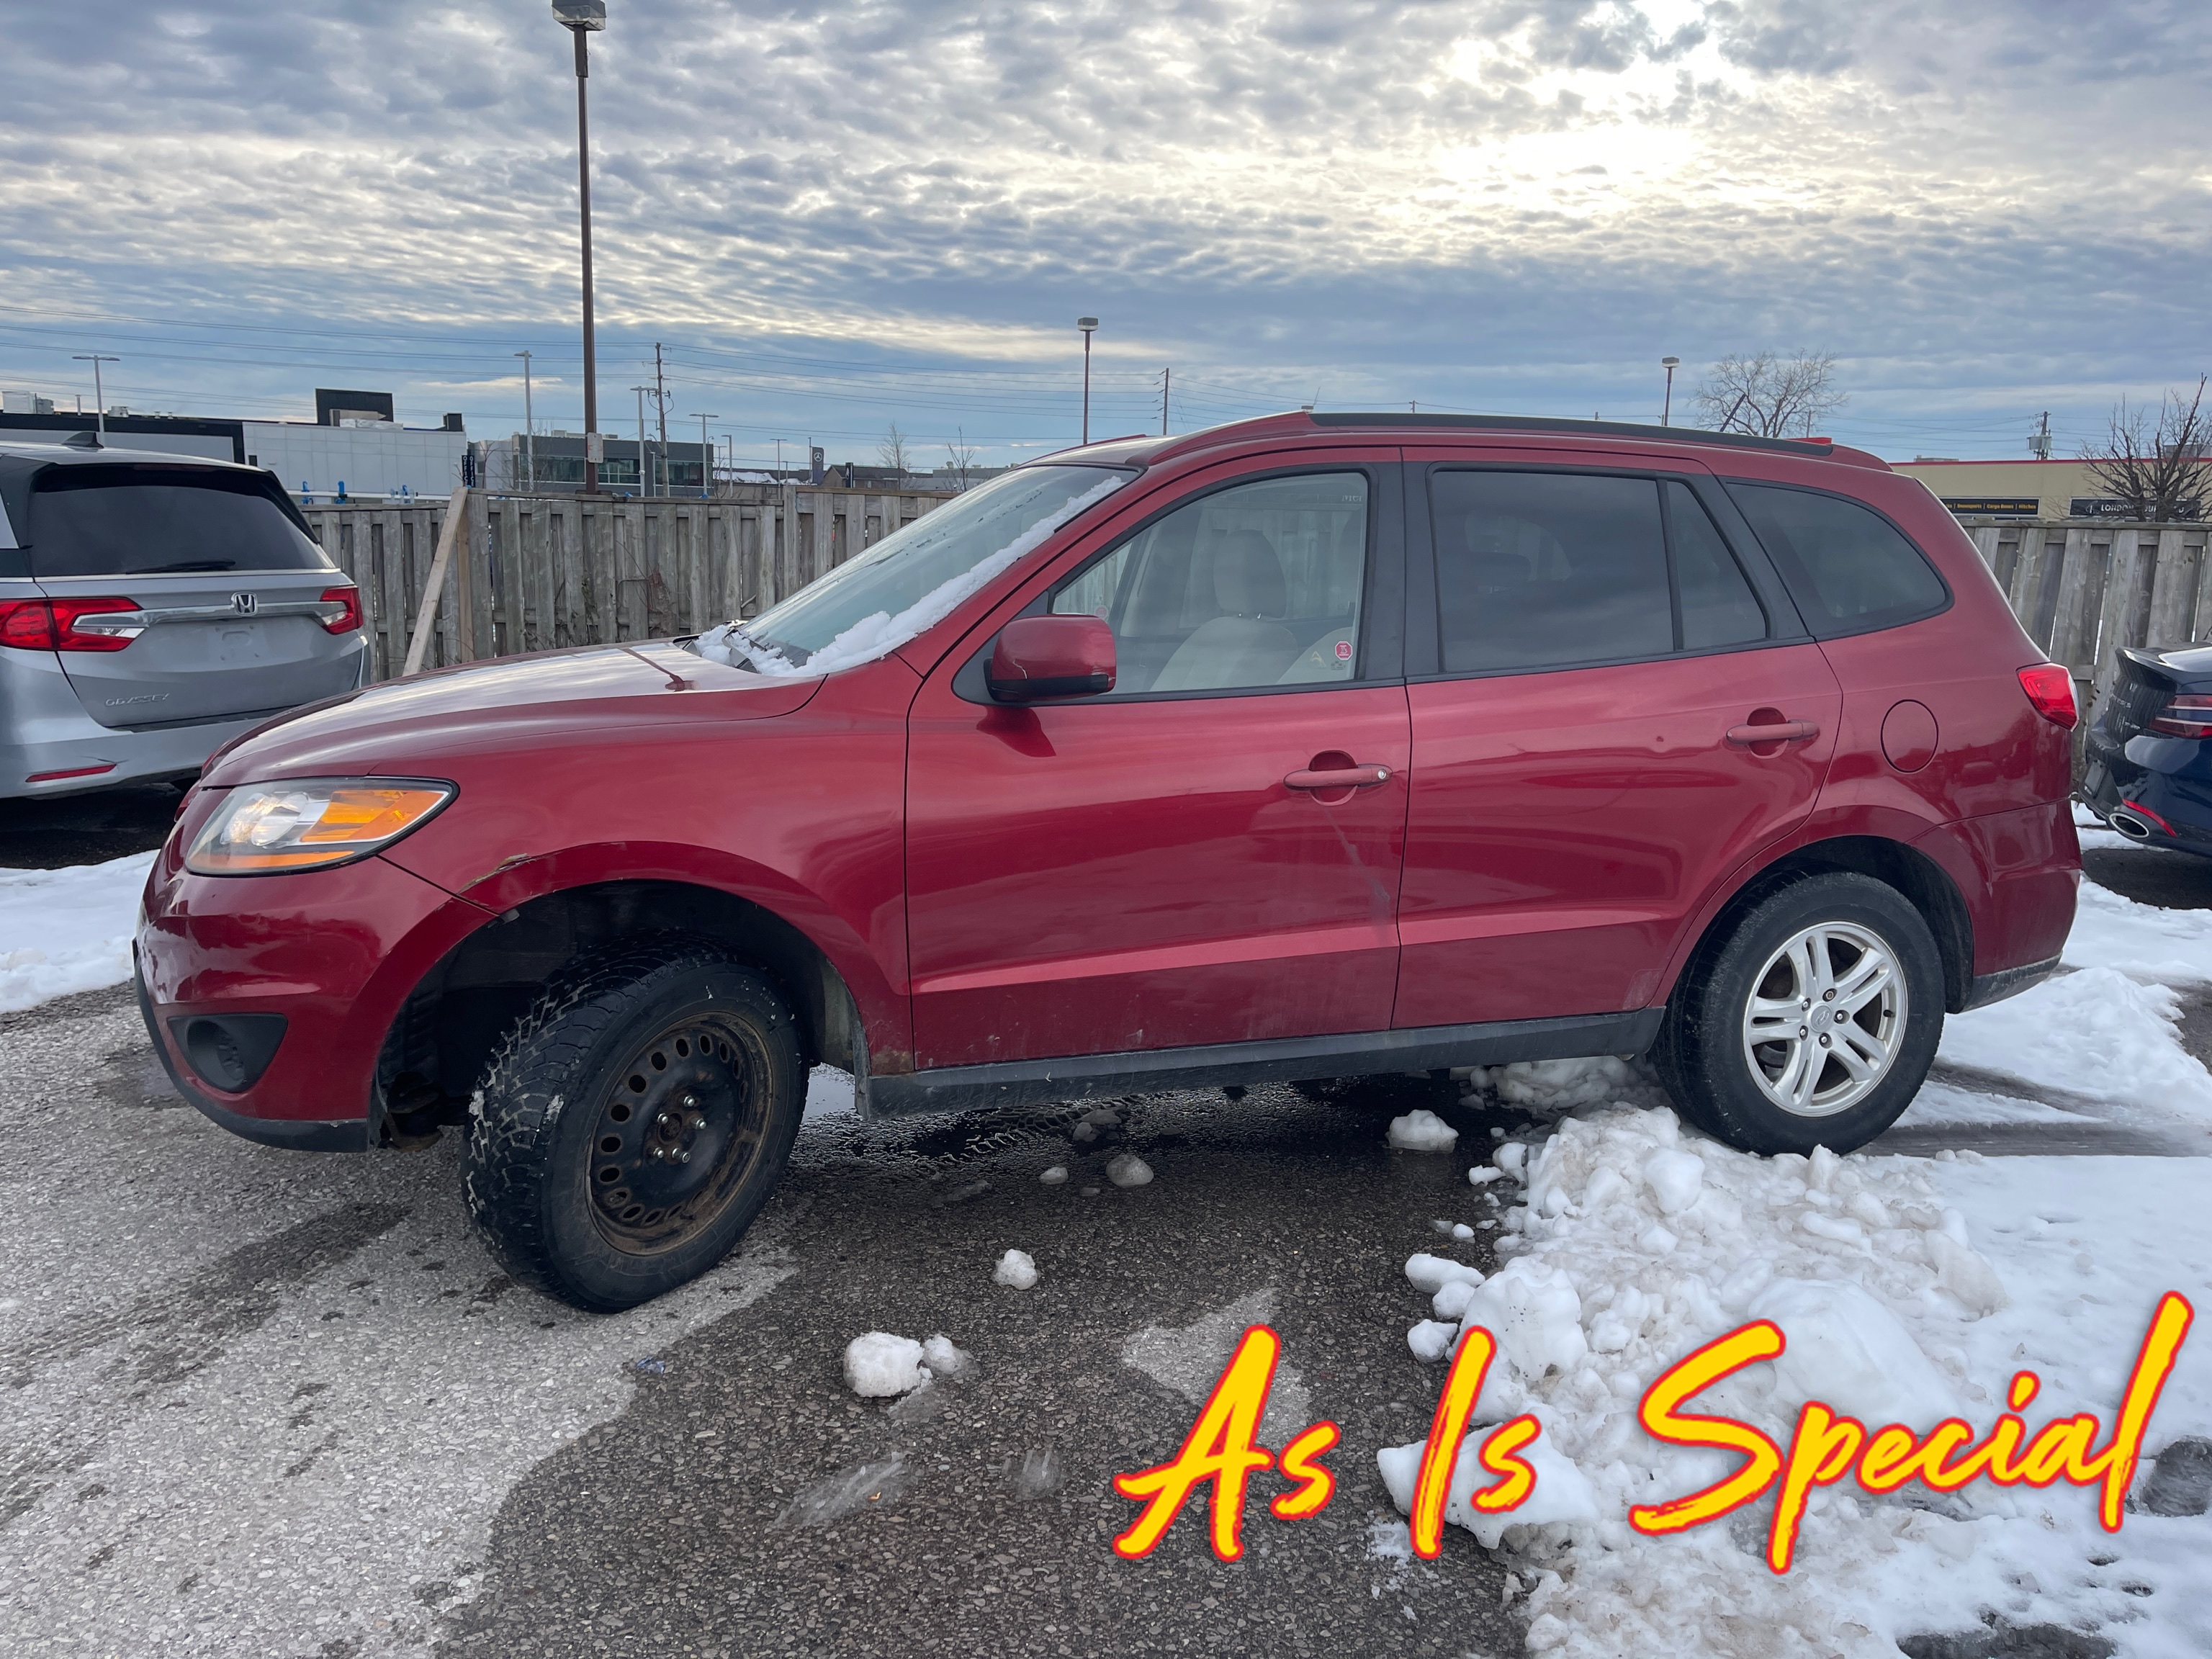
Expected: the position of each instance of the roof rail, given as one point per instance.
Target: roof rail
(1680, 435)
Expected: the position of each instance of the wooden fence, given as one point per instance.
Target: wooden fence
(2083, 589)
(534, 572)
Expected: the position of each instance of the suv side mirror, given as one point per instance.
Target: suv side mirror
(1042, 657)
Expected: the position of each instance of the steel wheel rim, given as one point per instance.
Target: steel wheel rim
(1824, 1016)
(683, 1123)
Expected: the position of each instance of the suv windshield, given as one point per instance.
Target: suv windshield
(139, 519)
(912, 579)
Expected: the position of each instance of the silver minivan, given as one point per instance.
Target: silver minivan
(153, 607)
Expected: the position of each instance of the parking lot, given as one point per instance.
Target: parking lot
(280, 1403)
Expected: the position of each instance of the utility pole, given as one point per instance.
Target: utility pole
(2038, 443)
(1167, 376)
(98, 396)
(705, 458)
(580, 18)
(641, 391)
(660, 405)
(529, 427)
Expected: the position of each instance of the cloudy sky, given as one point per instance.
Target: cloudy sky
(839, 217)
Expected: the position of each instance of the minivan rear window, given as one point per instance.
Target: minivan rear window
(1849, 569)
(138, 519)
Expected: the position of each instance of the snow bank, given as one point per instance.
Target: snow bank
(2172, 947)
(1638, 1242)
(1562, 1493)
(2097, 1032)
(64, 931)
(1422, 1131)
(882, 633)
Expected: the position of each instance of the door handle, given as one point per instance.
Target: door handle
(1339, 777)
(1747, 737)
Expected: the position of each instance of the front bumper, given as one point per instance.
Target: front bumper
(335, 952)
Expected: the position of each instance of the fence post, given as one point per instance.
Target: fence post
(450, 532)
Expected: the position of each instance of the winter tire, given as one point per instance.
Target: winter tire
(632, 1123)
(1812, 1023)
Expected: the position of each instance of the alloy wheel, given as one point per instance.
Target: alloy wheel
(1825, 1018)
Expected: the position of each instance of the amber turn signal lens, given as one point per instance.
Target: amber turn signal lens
(309, 823)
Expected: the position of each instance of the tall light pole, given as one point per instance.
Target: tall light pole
(1666, 409)
(706, 459)
(100, 398)
(580, 18)
(529, 426)
(1088, 324)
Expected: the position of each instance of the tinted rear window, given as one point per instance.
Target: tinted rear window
(1849, 568)
(138, 521)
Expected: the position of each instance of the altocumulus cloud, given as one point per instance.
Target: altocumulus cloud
(1512, 203)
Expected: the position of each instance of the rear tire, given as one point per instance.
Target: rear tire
(633, 1122)
(1812, 1023)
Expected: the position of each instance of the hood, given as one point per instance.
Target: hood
(411, 726)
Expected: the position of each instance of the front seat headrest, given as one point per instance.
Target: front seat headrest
(1247, 577)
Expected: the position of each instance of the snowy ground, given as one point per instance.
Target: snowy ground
(68, 929)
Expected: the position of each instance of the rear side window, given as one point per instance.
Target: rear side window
(1547, 569)
(1849, 569)
(141, 520)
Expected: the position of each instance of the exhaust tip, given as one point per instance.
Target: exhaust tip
(2128, 824)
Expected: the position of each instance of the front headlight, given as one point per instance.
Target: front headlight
(310, 823)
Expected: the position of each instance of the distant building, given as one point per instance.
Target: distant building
(2014, 490)
(354, 449)
(678, 469)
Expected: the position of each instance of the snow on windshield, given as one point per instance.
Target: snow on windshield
(1002, 506)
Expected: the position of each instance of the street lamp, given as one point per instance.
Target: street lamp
(100, 398)
(1088, 324)
(580, 18)
(1666, 409)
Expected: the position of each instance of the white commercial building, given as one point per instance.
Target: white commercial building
(362, 458)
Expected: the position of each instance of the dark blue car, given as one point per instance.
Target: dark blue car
(2150, 766)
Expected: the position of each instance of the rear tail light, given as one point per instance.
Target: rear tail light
(340, 610)
(105, 624)
(2184, 717)
(2050, 688)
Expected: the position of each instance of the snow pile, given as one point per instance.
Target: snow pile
(2097, 1032)
(1639, 1243)
(1422, 1131)
(1017, 1269)
(881, 633)
(879, 1365)
(65, 931)
(1545, 1086)
(1129, 1170)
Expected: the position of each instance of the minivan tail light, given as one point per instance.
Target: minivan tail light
(2184, 717)
(69, 625)
(2050, 688)
(340, 610)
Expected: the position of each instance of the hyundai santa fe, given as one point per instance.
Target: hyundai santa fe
(1309, 747)
(152, 608)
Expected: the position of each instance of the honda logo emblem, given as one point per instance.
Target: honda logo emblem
(245, 604)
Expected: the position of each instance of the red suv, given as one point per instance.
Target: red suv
(1306, 747)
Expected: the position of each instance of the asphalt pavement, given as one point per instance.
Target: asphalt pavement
(277, 1403)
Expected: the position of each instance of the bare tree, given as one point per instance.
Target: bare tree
(1770, 396)
(892, 451)
(961, 456)
(2157, 470)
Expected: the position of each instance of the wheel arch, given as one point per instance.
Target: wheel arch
(1910, 872)
(434, 1049)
